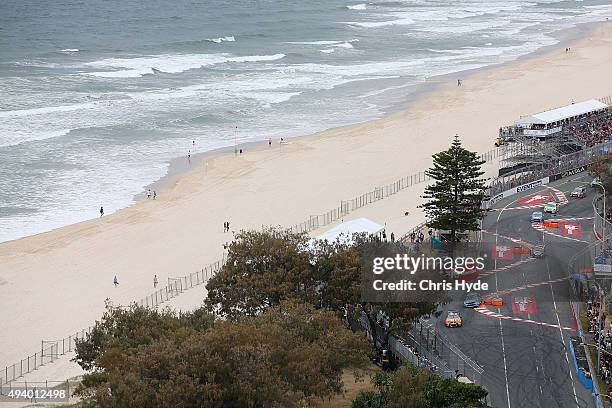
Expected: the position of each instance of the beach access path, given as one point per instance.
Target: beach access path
(55, 283)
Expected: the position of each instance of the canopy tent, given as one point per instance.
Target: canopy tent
(345, 231)
(563, 113)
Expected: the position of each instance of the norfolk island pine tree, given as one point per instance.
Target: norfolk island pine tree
(454, 198)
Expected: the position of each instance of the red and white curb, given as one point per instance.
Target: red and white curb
(531, 285)
(572, 219)
(540, 227)
(560, 195)
(515, 240)
(506, 267)
(484, 311)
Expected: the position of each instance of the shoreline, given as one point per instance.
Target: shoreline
(56, 282)
(178, 166)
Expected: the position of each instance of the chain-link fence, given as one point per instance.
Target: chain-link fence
(404, 350)
(429, 339)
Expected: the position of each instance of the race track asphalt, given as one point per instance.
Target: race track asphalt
(528, 364)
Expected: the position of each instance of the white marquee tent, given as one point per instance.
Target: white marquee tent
(345, 231)
(564, 113)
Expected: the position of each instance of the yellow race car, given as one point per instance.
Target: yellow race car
(453, 319)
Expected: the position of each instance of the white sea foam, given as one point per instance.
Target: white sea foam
(328, 50)
(257, 58)
(322, 42)
(70, 50)
(378, 24)
(44, 110)
(139, 66)
(219, 40)
(18, 137)
(361, 6)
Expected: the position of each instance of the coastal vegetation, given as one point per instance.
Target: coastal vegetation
(413, 387)
(274, 331)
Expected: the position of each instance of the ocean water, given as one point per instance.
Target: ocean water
(96, 97)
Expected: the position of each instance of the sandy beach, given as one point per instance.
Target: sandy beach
(55, 283)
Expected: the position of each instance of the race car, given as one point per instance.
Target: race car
(551, 207)
(537, 216)
(453, 319)
(579, 192)
(472, 300)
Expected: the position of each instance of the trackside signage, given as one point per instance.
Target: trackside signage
(518, 189)
(531, 185)
(571, 172)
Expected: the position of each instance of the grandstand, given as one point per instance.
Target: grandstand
(545, 136)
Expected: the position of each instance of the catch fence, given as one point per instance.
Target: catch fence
(553, 167)
(428, 338)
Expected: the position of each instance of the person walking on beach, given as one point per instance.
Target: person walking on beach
(392, 237)
(101, 211)
(154, 194)
(116, 281)
(228, 226)
(270, 142)
(148, 194)
(155, 281)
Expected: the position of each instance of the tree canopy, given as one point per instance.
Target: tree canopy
(412, 387)
(454, 198)
(266, 267)
(289, 355)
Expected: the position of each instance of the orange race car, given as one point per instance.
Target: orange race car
(453, 319)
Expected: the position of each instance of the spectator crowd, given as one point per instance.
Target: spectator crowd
(602, 337)
(596, 129)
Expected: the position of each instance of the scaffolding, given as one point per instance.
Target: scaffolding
(532, 148)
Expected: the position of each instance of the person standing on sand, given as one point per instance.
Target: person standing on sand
(101, 211)
(148, 194)
(270, 142)
(155, 281)
(154, 194)
(189, 155)
(116, 281)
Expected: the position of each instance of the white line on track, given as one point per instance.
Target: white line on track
(501, 329)
(569, 367)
